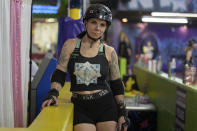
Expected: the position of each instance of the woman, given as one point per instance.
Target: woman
(148, 50)
(188, 51)
(90, 62)
(125, 50)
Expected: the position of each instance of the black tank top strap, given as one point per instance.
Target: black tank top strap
(76, 51)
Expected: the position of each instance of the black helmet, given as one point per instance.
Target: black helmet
(98, 11)
(191, 42)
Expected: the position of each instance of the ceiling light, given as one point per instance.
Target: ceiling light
(124, 20)
(170, 14)
(164, 20)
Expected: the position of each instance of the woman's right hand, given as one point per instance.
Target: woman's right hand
(51, 98)
(49, 101)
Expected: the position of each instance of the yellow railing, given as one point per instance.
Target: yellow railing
(53, 118)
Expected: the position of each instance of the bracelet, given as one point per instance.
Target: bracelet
(53, 92)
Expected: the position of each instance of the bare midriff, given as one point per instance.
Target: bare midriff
(86, 92)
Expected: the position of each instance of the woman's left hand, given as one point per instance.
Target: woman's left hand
(121, 124)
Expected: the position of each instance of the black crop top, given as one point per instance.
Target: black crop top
(87, 74)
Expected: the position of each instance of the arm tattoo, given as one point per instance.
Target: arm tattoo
(119, 99)
(55, 85)
(114, 67)
(120, 102)
(64, 57)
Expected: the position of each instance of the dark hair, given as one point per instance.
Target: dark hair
(99, 11)
(191, 42)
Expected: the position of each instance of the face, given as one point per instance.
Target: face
(195, 45)
(95, 27)
(148, 43)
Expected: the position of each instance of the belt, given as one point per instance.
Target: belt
(90, 96)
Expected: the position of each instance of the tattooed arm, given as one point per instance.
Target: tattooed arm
(67, 49)
(53, 94)
(115, 76)
(114, 73)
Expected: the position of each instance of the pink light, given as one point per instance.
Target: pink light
(183, 29)
(142, 25)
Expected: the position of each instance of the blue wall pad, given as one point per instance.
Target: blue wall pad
(45, 84)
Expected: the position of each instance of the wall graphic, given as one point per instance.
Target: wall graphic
(168, 41)
(159, 5)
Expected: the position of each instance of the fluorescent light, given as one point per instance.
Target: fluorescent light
(170, 14)
(164, 20)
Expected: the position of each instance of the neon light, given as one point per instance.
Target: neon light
(45, 9)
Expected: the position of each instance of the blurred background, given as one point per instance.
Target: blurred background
(142, 31)
(168, 38)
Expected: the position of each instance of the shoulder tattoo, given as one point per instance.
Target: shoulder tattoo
(114, 67)
(64, 56)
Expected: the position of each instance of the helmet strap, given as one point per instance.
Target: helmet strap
(94, 39)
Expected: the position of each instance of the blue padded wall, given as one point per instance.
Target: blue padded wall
(44, 84)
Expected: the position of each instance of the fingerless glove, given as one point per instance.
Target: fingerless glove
(51, 93)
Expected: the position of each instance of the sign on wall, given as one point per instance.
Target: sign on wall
(180, 109)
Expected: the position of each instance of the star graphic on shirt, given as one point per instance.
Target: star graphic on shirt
(87, 73)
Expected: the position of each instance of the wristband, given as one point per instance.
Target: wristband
(51, 93)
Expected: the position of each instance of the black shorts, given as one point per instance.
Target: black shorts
(97, 110)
